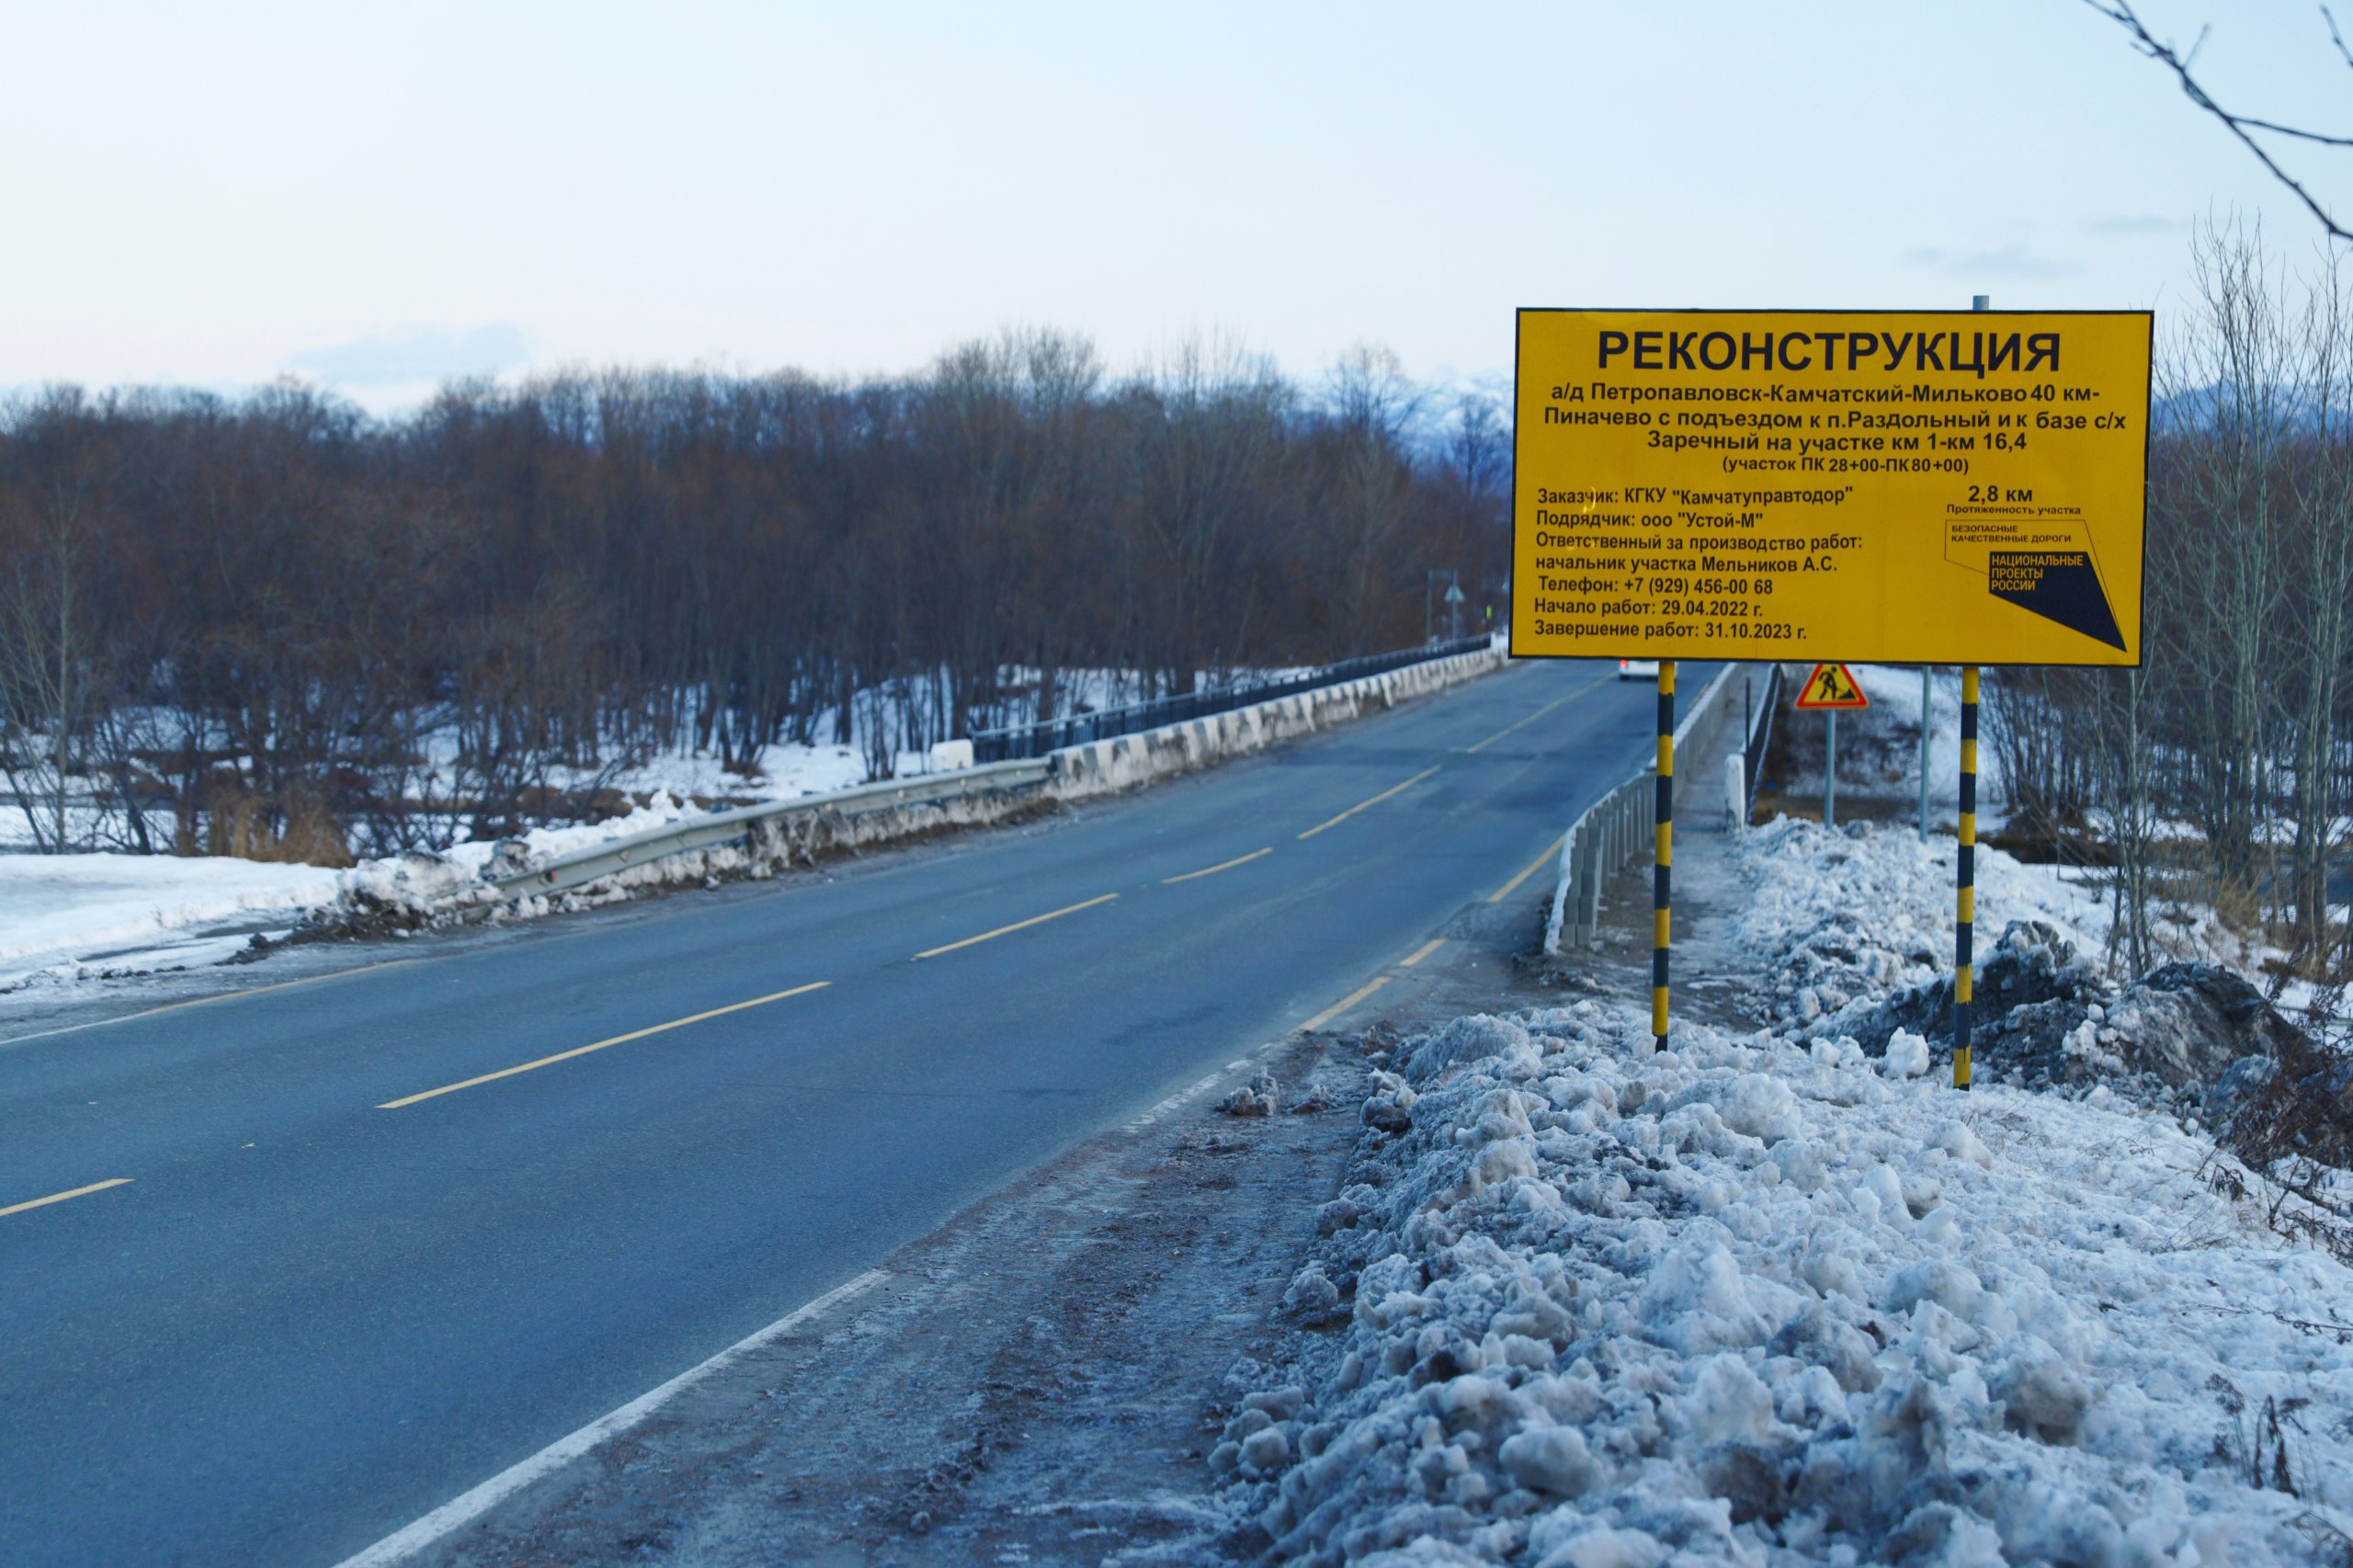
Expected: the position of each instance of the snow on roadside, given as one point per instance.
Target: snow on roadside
(1834, 919)
(1767, 1300)
(1837, 923)
(1747, 1301)
(65, 917)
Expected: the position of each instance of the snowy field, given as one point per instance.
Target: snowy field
(73, 920)
(69, 917)
(1766, 1298)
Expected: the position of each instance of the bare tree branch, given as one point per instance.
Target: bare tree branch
(2239, 125)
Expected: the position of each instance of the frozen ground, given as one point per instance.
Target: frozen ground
(1765, 1299)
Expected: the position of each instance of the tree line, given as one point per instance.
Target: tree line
(274, 625)
(2222, 769)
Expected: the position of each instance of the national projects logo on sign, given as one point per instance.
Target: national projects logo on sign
(1909, 487)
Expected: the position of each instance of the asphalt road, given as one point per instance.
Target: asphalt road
(327, 1300)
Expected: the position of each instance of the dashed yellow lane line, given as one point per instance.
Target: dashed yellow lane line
(1534, 866)
(1361, 805)
(1017, 925)
(1343, 1005)
(1221, 866)
(61, 1197)
(1425, 950)
(603, 1044)
(1507, 728)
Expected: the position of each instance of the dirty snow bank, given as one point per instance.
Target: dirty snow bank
(1777, 1298)
(1851, 932)
(1753, 1302)
(1838, 918)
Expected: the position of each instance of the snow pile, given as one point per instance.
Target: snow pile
(1841, 918)
(420, 888)
(1754, 1300)
(65, 917)
(1851, 931)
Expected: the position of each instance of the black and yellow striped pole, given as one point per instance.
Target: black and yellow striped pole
(1962, 979)
(1665, 853)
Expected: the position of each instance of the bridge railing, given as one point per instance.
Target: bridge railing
(1620, 829)
(1021, 741)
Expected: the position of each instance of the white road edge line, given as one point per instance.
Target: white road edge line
(1190, 1091)
(473, 1504)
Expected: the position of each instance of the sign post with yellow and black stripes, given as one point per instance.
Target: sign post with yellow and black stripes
(1662, 891)
(1965, 909)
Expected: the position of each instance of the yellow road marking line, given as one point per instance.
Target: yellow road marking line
(1222, 866)
(1361, 805)
(61, 1197)
(1425, 950)
(1507, 728)
(1017, 925)
(616, 1040)
(1534, 866)
(1343, 1005)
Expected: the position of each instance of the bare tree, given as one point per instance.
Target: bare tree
(2248, 128)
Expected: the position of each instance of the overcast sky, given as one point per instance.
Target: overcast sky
(219, 195)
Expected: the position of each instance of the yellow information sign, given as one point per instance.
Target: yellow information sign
(1960, 487)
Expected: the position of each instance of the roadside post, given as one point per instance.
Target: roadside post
(1901, 487)
(1925, 695)
(1965, 911)
(1664, 854)
(1830, 688)
(1830, 768)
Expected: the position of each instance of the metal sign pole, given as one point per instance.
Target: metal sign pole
(1925, 693)
(1964, 978)
(1963, 981)
(1830, 772)
(1666, 851)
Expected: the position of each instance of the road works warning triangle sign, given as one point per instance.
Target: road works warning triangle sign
(1832, 686)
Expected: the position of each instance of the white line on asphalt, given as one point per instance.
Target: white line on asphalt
(1189, 1092)
(464, 1510)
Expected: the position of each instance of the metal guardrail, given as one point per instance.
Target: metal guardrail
(1614, 830)
(1618, 828)
(1760, 739)
(1042, 739)
(584, 866)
